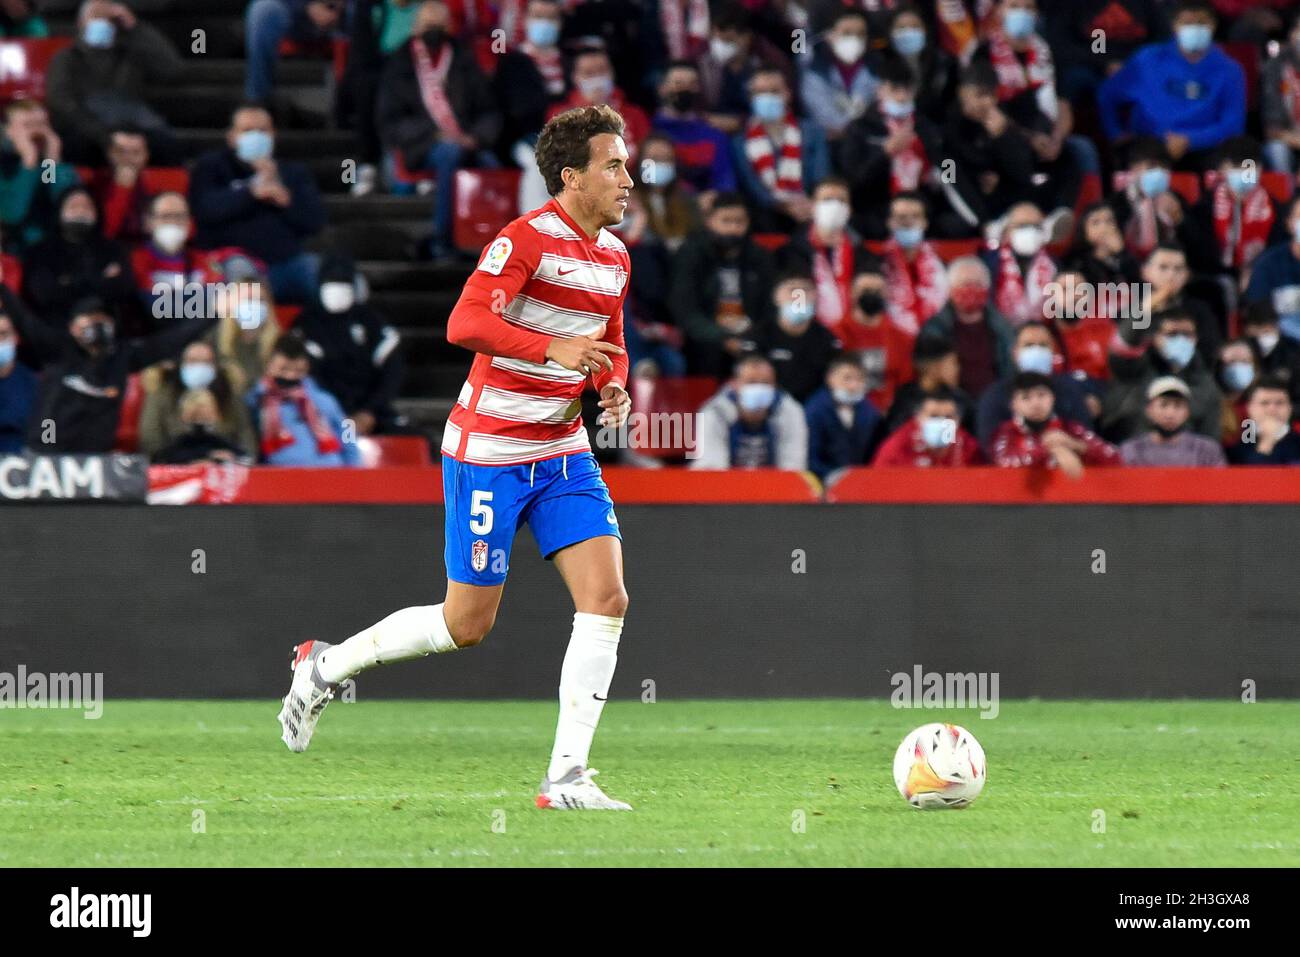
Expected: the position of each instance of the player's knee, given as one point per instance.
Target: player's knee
(468, 632)
(611, 603)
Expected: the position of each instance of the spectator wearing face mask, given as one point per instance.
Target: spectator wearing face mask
(1147, 210)
(1237, 218)
(1275, 278)
(247, 330)
(799, 348)
(1097, 249)
(100, 82)
(842, 422)
(1172, 351)
(591, 83)
(1187, 91)
(1236, 369)
(166, 267)
(890, 143)
(703, 152)
(828, 250)
(32, 175)
(1083, 323)
(243, 196)
(721, 289)
(778, 157)
(837, 83)
(1166, 273)
(119, 189)
(736, 54)
(936, 365)
(1169, 441)
(934, 71)
(201, 439)
(932, 438)
(670, 206)
(1035, 350)
(1022, 268)
(884, 350)
(76, 262)
(982, 334)
(529, 78)
(355, 351)
(18, 385)
(1267, 436)
(162, 418)
(914, 273)
(298, 423)
(751, 423)
(84, 370)
(1037, 437)
(1276, 355)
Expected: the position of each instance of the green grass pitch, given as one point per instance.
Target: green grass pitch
(712, 783)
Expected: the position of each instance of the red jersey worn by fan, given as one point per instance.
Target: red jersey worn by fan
(541, 278)
(1017, 446)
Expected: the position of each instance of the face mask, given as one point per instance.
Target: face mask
(909, 237)
(848, 396)
(871, 303)
(848, 49)
(434, 36)
(684, 101)
(938, 431)
(100, 334)
(1238, 183)
(1267, 342)
(830, 215)
(1152, 182)
(908, 41)
(542, 33)
(596, 88)
(337, 296)
(722, 50)
(197, 375)
(1026, 240)
(283, 382)
(756, 396)
(99, 33)
(728, 245)
(1238, 375)
(1036, 425)
(254, 145)
(970, 298)
(897, 109)
(1018, 24)
(7, 352)
(1295, 230)
(797, 314)
(1178, 350)
(1035, 359)
(1194, 37)
(251, 314)
(768, 107)
(169, 237)
(661, 174)
(77, 230)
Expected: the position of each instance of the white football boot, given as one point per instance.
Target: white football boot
(308, 695)
(576, 791)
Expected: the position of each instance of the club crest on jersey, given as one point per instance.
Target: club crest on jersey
(496, 257)
(478, 555)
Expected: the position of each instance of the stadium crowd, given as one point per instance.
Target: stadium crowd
(914, 234)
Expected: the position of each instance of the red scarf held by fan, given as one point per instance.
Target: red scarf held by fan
(912, 302)
(1015, 77)
(432, 78)
(958, 29)
(908, 166)
(1241, 229)
(784, 176)
(832, 268)
(275, 435)
(1020, 297)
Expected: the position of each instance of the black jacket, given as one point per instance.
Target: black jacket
(355, 356)
(81, 394)
(56, 273)
(404, 121)
(866, 165)
(694, 297)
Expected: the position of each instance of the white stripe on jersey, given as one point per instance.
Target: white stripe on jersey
(451, 439)
(551, 371)
(466, 391)
(550, 224)
(609, 240)
(581, 274)
(541, 316)
(482, 449)
(518, 407)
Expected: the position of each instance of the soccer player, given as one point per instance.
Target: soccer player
(544, 313)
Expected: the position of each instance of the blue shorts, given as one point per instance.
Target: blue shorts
(564, 501)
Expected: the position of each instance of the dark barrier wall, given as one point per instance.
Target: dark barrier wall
(1193, 600)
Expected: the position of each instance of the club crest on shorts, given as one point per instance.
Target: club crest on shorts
(478, 555)
(496, 257)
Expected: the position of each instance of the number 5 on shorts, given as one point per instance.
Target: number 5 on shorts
(480, 512)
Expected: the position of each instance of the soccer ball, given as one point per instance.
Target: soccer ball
(939, 765)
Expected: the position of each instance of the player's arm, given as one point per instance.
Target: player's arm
(611, 383)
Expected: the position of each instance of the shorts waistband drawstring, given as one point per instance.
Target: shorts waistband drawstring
(566, 468)
(531, 472)
(564, 464)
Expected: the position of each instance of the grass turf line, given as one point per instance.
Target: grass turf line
(1188, 783)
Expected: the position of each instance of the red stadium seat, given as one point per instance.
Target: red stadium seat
(404, 451)
(1279, 185)
(668, 396)
(23, 65)
(128, 422)
(1089, 192)
(1247, 55)
(408, 177)
(166, 179)
(12, 267)
(946, 249)
(286, 316)
(335, 50)
(486, 200)
(770, 241)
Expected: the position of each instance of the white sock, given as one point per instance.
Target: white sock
(410, 633)
(584, 684)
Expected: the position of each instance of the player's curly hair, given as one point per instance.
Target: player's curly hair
(566, 141)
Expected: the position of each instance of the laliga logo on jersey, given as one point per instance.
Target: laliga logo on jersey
(478, 555)
(496, 257)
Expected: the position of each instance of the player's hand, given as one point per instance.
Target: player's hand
(581, 354)
(616, 403)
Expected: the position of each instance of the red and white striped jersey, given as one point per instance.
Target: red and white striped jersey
(541, 278)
